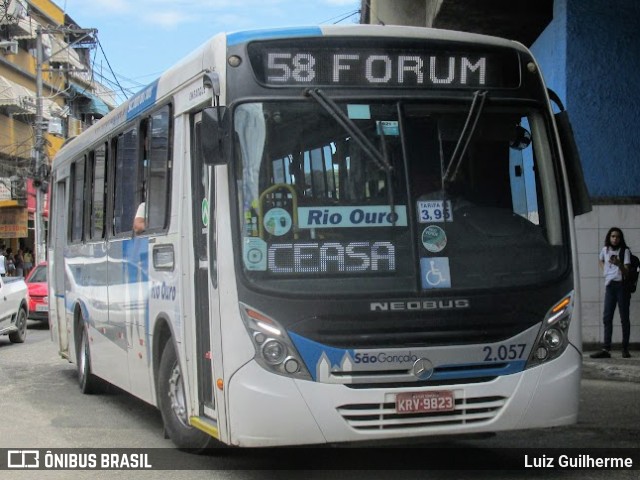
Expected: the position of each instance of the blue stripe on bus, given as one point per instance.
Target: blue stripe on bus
(125, 271)
(313, 352)
(143, 100)
(472, 370)
(135, 265)
(241, 37)
(135, 255)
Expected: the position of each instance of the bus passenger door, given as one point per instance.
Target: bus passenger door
(57, 311)
(203, 209)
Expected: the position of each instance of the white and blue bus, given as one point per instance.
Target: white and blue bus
(351, 233)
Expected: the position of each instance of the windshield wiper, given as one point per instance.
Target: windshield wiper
(470, 125)
(345, 122)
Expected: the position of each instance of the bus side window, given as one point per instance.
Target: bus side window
(98, 198)
(158, 169)
(126, 182)
(77, 203)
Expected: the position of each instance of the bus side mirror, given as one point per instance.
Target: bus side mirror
(580, 198)
(212, 135)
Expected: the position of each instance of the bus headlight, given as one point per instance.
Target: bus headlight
(274, 350)
(553, 337)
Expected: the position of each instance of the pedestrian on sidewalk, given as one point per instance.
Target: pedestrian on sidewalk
(28, 261)
(18, 261)
(10, 266)
(614, 268)
(3, 262)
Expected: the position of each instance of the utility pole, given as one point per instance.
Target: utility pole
(40, 252)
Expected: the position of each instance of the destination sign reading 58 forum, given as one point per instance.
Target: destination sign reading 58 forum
(380, 67)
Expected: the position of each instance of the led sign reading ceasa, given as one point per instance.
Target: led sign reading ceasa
(319, 257)
(375, 69)
(331, 257)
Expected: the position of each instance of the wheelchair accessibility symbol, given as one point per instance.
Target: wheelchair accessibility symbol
(435, 273)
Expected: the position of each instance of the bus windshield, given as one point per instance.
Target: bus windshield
(438, 205)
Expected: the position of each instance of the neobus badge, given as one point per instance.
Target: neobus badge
(446, 304)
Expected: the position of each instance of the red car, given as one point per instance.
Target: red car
(38, 293)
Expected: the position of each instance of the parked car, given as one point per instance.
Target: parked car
(14, 308)
(38, 293)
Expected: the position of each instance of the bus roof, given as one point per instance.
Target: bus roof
(397, 31)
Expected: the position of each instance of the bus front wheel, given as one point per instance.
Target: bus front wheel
(173, 405)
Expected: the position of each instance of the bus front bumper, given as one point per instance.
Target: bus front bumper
(271, 410)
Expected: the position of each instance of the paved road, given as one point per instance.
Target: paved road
(43, 408)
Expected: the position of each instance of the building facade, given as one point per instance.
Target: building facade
(588, 52)
(44, 62)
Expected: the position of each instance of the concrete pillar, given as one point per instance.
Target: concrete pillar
(400, 12)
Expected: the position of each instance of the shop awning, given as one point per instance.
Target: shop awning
(23, 29)
(61, 52)
(16, 98)
(20, 100)
(93, 103)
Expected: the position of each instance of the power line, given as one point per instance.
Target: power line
(111, 83)
(341, 17)
(355, 12)
(110, 69)
(123, 78)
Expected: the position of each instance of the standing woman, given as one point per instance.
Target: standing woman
(18, 261)
(614, 268)
(28, 261)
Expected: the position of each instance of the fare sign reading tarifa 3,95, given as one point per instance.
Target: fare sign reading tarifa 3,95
(366, 68)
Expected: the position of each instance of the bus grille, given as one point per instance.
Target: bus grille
(383, 416)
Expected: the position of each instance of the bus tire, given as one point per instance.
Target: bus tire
(87, 381)
(19, 335)
(172, 405)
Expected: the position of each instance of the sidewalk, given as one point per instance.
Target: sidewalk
(614, 368)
